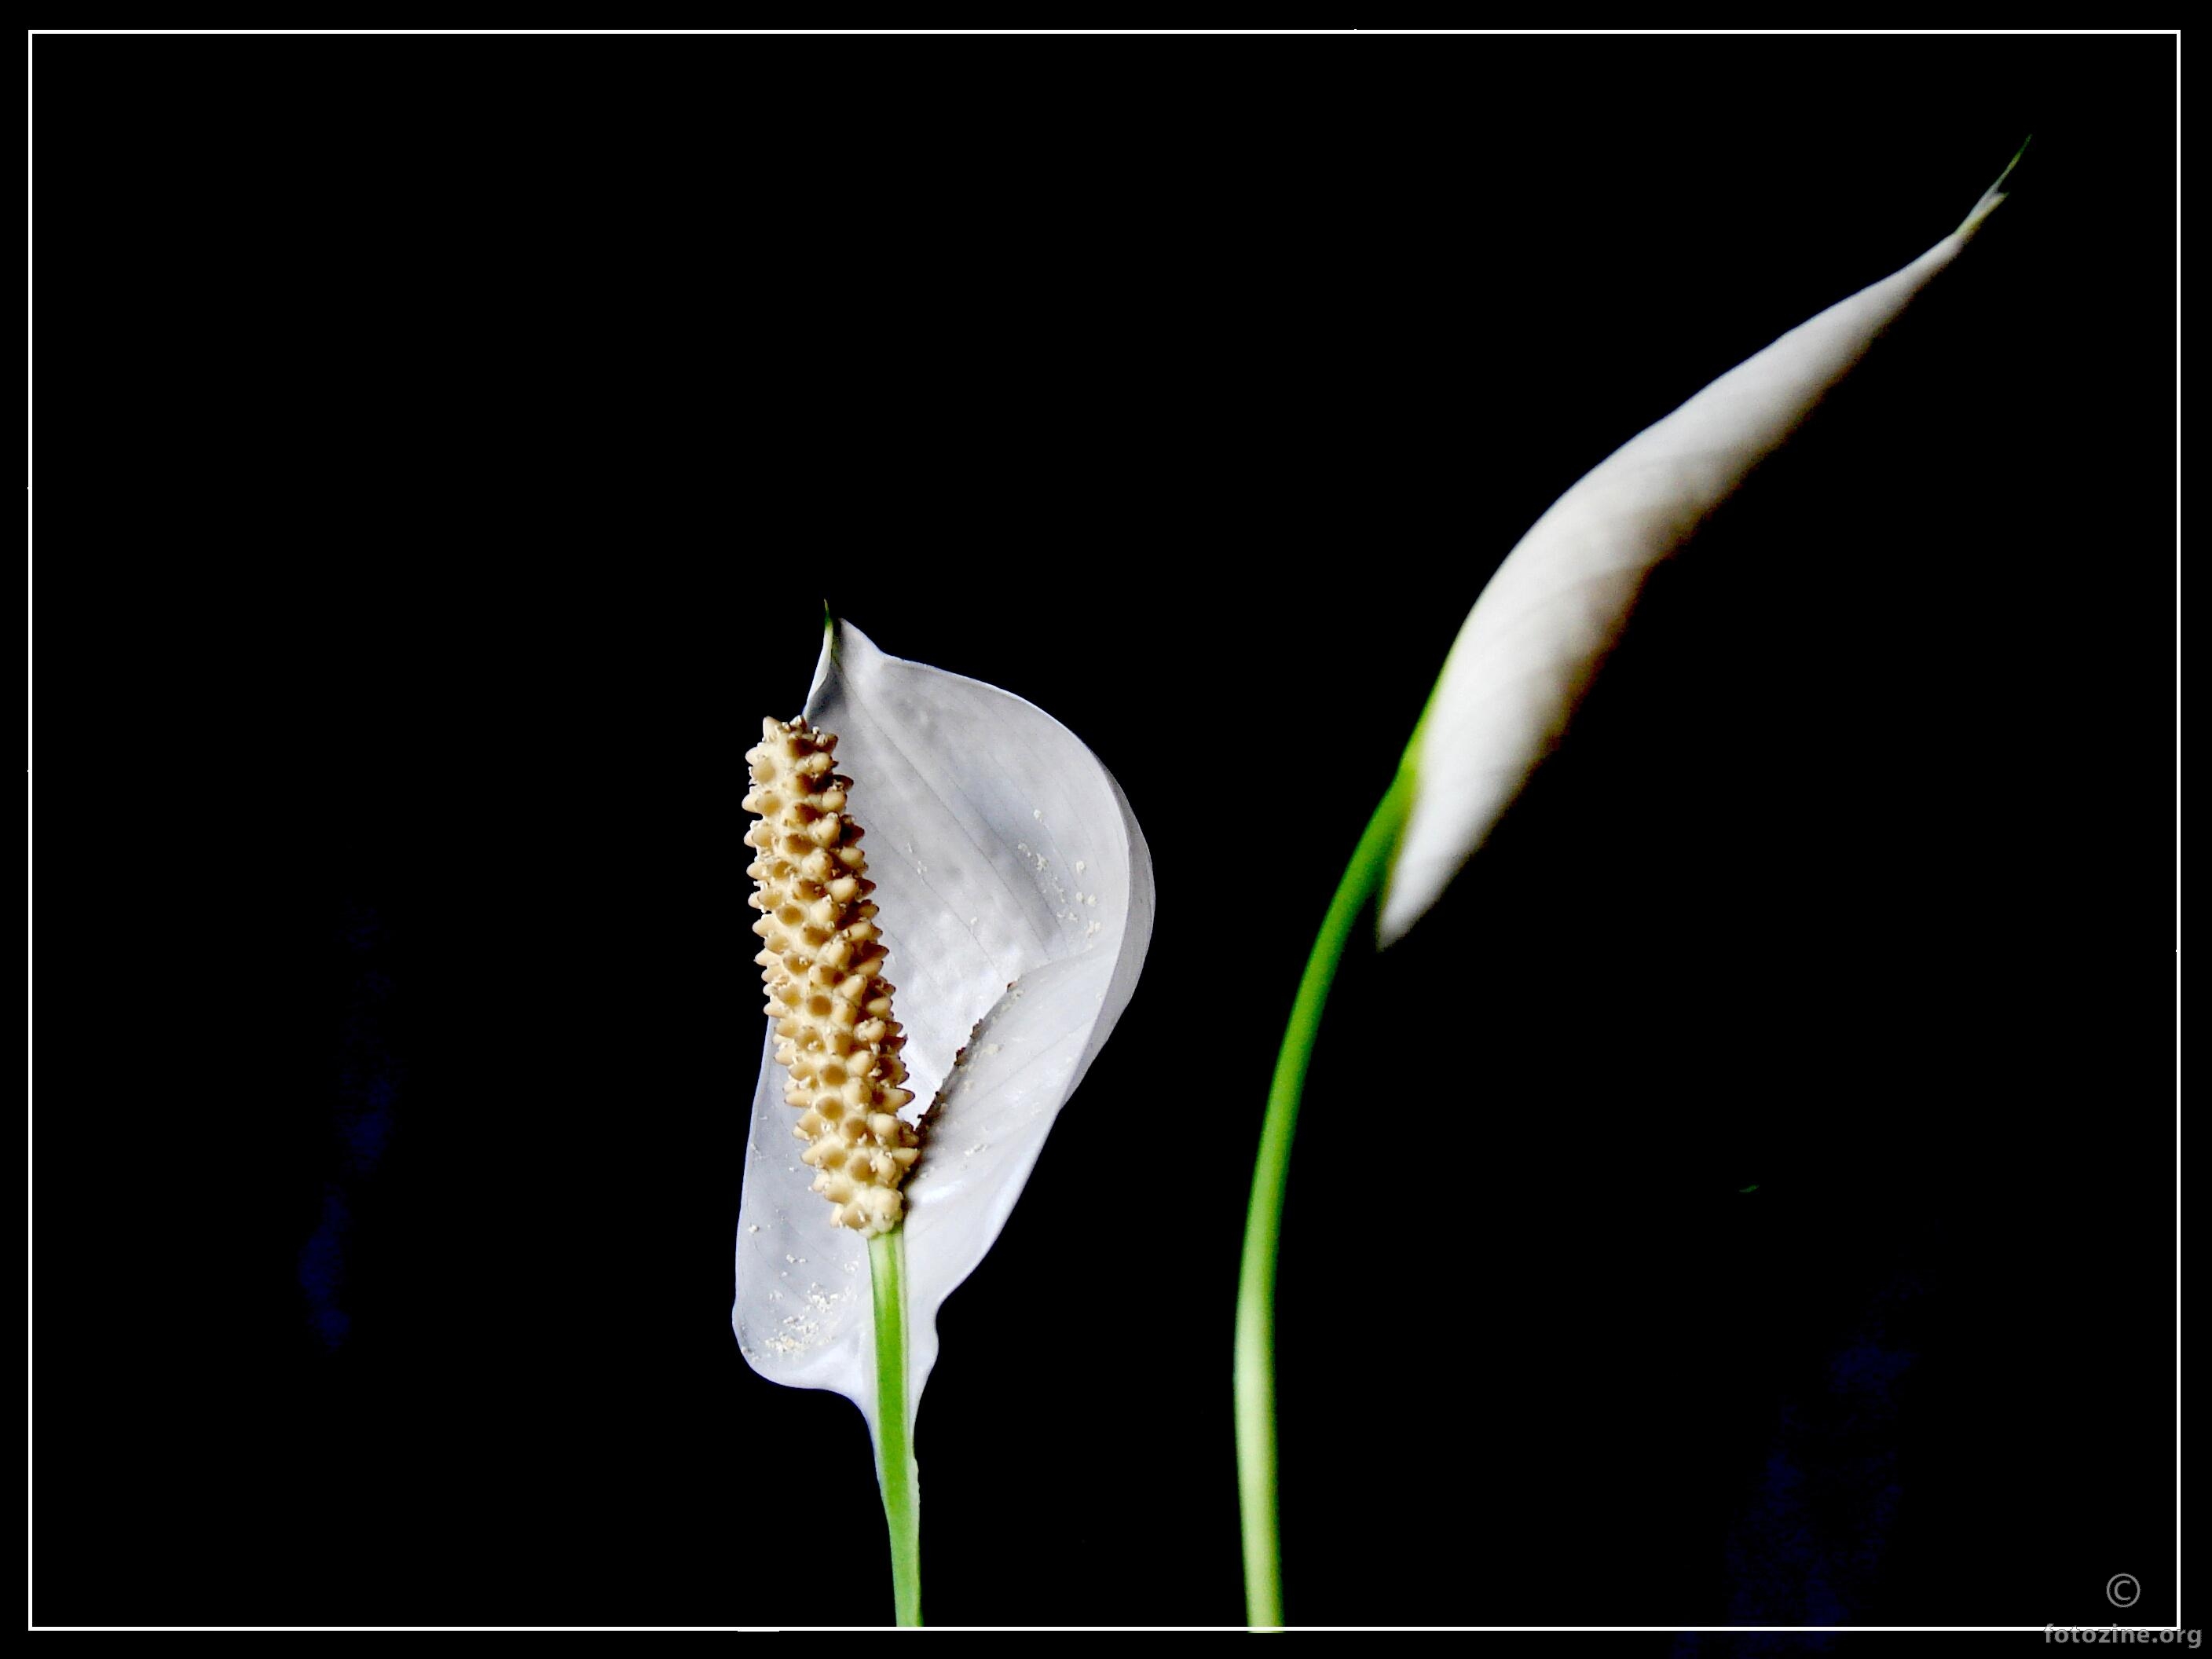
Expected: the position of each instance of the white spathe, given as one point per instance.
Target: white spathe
(1539, 631)
(1015, 895)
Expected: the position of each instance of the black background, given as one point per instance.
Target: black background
(443, 447)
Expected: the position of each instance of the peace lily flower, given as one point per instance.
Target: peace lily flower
(1005, 886)
(1528, 651)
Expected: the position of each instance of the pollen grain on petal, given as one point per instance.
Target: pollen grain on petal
(822, 964)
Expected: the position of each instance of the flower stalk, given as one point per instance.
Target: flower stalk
(1256, 1454)
(896, 1474)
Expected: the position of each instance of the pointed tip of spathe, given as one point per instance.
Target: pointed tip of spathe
(1995, 194)
(834, 632)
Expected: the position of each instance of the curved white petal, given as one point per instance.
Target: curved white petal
(1016, 897)
(1541, 628)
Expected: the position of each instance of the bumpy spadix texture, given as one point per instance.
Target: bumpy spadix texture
(1017, 904)
(1555, 608)
(822, 963)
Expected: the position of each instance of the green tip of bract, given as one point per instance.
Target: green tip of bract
(1994, 194)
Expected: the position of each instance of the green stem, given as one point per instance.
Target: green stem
(1263, 1226)
(895, 1467)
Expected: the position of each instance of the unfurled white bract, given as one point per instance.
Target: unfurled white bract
(1540, 630)
(1013, 891)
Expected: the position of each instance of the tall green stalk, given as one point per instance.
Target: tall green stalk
(893, 1456)
(1255, 1294)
